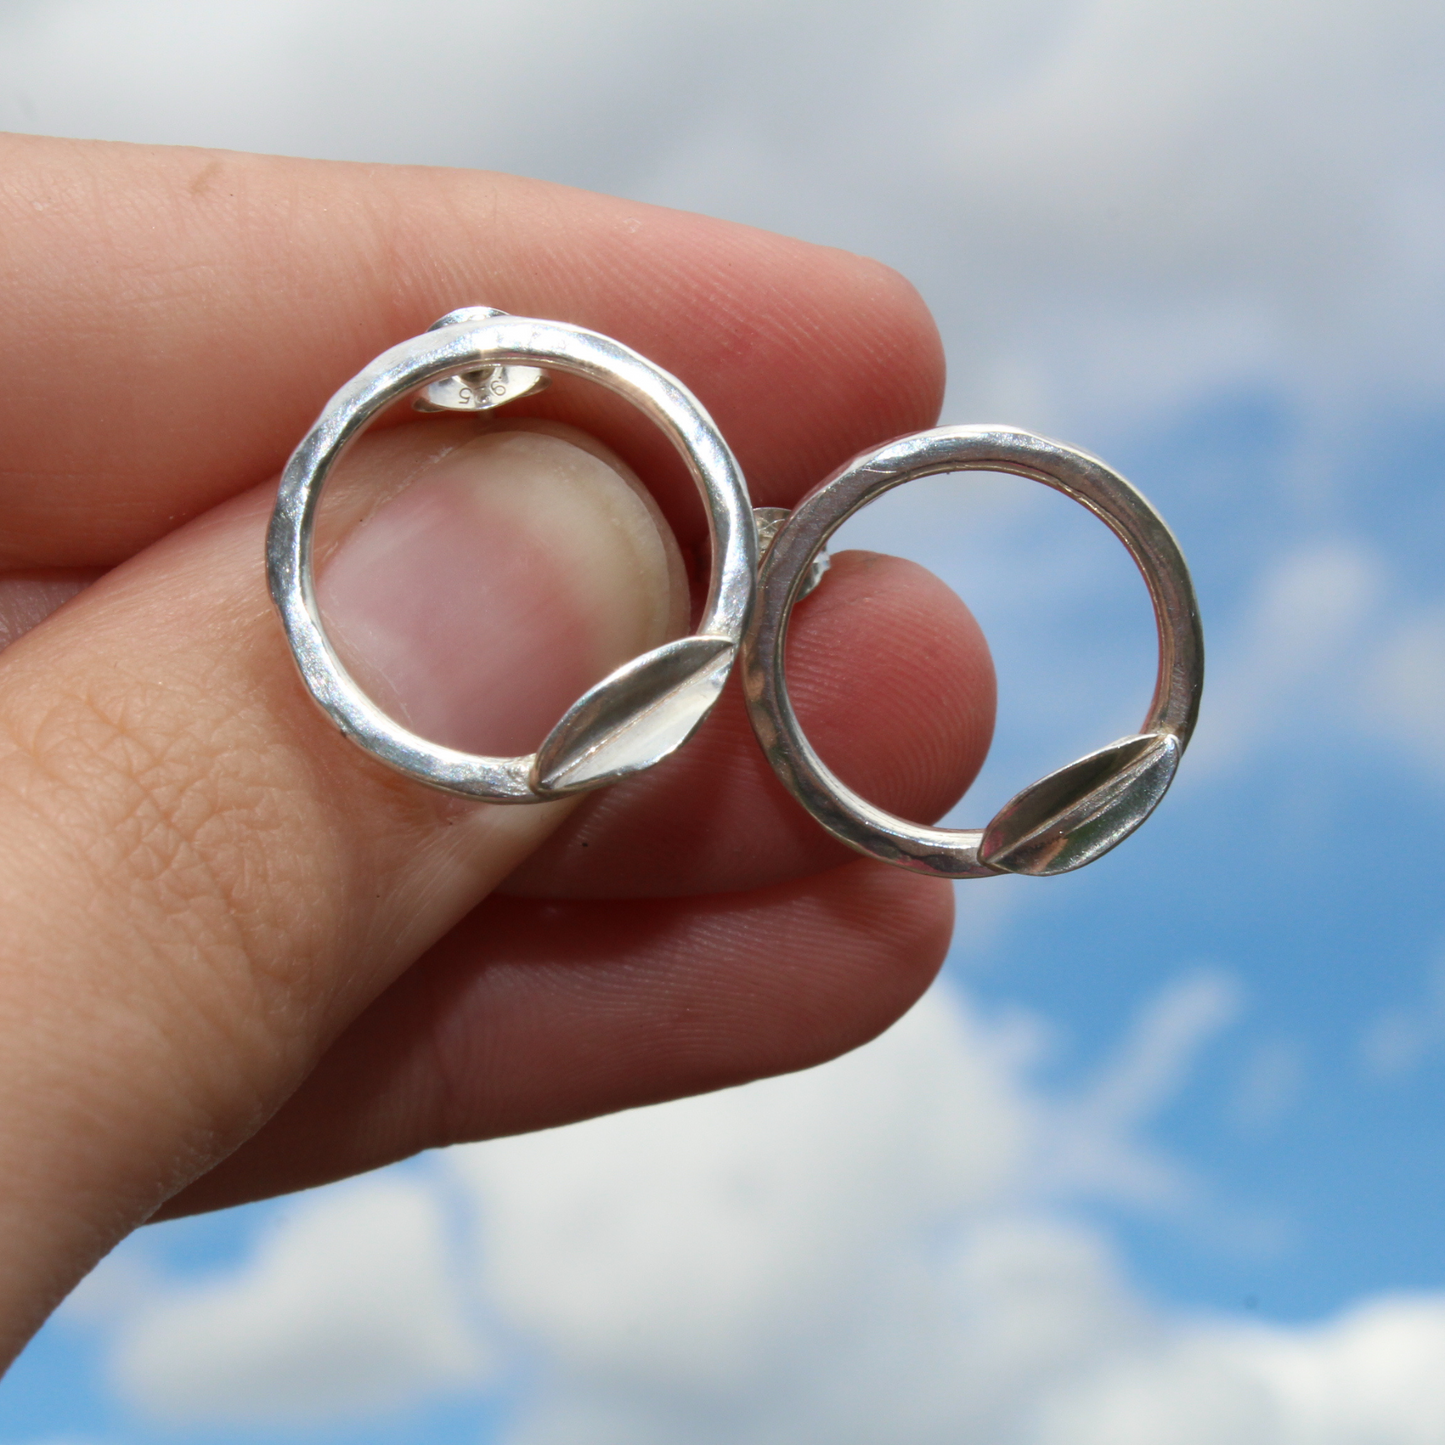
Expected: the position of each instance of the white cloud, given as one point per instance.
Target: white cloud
(652, 1245)
(1115, 204)
(872, 1249)
(1290, 666)
(1224, 187)
(880, 1250)
(1371, 1376)
(1399, 1038)
(347, 1308)
(1325, 652)
(884, 1248)
(1404, 698)
(1268, 1086)
(1095, 1145)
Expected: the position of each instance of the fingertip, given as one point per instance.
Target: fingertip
(897, 926)
(897, 636)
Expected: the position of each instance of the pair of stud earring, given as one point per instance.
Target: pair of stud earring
(477, 358)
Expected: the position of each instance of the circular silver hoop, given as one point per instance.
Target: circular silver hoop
(631, 719)
(1066, 819)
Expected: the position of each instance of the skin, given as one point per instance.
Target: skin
(241, 958)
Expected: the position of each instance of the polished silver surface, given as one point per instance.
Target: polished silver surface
(770, 521)
(638, 714)
(1064, 820)
(483, 389)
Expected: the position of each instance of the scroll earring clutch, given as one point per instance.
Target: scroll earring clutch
(472, 360)
(1064, 820)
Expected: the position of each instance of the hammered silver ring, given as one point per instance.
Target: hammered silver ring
(1064, 820)
(470, 360)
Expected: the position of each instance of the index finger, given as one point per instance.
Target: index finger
(171, 321)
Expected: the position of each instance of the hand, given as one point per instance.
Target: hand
(238, 956)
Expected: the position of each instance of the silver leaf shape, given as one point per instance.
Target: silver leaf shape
(1077, 814)
(635, 716)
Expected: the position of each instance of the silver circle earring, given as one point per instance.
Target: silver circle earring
(1064, 820)
(474, 359)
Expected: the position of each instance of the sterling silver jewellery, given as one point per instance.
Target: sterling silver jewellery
(478, 358)
(1064, 820)
(471, 360)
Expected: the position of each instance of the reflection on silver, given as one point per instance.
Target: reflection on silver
(631, 719)
(1066, 819)
(770, 521)
(480, 390)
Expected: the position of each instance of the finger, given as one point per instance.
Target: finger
(28, 598)
(176, 318)
(535, 1014)
(202, 883)
(892, 681)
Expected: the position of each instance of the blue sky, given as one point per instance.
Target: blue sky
(1161, 1159)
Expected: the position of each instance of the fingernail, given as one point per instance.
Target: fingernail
(510, 576)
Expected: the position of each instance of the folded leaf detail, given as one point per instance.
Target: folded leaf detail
(1079, 812)
(635, 716)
